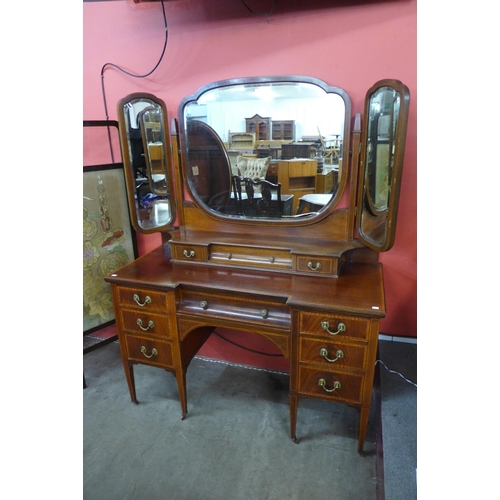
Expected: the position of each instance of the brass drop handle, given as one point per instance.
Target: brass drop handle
(326, 326)
(314, 268)
(336, 385)
(203, 304)
(189, 254)
(137, 300)
(324, 352)
(150, 325)
(154, 352)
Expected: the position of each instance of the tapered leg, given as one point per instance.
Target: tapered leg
(363, 424)
(293, 417)
(180, 375)
(129, 374)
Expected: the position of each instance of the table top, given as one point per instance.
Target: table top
(359, 289)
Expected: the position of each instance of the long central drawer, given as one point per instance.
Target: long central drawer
(249, 256)
(241, 309)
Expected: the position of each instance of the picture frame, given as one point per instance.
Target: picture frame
(109, 240)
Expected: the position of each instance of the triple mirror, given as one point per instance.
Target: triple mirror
(268, 150)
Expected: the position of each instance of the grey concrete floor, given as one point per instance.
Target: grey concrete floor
(234, 443)
(399, 419)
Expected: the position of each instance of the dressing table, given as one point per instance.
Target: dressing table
(310, 282)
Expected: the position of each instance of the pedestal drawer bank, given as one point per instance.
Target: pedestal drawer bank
(165, 313)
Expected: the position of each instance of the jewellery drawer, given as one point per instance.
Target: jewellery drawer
(332, 325)
(146, 299)
(149, 351)
(192, 253)
(250, 256)
(335, 385)
(332, 354)
(318, 265)
(145, 323)
(248, 309)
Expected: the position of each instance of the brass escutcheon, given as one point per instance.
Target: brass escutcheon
(137, 300)
(154, 352)
(336, 385)
(324, 352)
(326, 326)
(314, 268)
(150, 324)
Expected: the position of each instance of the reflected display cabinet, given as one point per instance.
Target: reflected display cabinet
(310, 282)
(259, 126)
(283, 130)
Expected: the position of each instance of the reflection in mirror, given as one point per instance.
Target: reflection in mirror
(289, 131)
(143, 131)
(150, 120)
(208, 166)
(382, 126)
(386, 112)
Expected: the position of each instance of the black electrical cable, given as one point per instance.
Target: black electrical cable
(131, 74)
(247, 348)
(255, 13)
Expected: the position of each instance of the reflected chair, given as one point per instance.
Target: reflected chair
(253, 168)
(237, 195)
(264, 197)
(331, 152)
(256, 197)
(313, 202)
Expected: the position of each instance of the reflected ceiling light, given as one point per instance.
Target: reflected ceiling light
(265, 93)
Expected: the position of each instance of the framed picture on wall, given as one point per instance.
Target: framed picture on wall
(109, 240)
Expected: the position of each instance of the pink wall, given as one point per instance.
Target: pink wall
(349, 44)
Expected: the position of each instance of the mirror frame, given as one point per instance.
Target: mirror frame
(129, 176)
(387, 217)
(298, 221)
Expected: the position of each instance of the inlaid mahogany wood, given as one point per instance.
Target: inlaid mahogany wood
(301, 314)
(311, 284)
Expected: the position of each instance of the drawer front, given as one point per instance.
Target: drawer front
(325, 384)
(191, 253)
(332, 354)
(145, 299)
(151, 352)
(250, 256)
(145, 323)
(248, 310)
(302, 169)
(317, 265)
(332, 326)
(272, 169)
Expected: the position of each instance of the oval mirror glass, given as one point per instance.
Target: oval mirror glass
(268, 147)
(144, 137)
(384, 136)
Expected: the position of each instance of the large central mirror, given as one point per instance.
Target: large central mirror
(266, 148)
